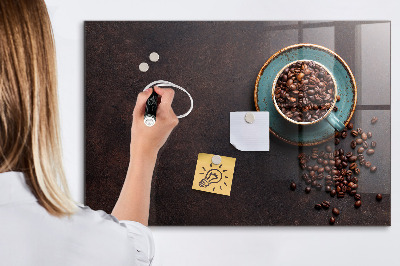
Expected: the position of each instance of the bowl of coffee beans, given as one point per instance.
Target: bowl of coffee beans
(304, 92)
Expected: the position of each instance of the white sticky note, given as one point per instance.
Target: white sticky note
(246, 136)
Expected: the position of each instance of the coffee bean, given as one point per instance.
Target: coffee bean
(359, 130)
(370, 151)
(318, 206)
(357, 171)
(353, 144)
(373, 144)
(328, 148)
(353, 192)
(360, 150)
(293, 186)
(344, 134)
(359, 141)
(374, 120)
(357, 204)
(364, 136)
(379, 197)
(307, 190)
(367, 164)
(340, 194)
(335, 211)
(318, 186)
(325, 205)
(350, 126)
(338, 98)
(332, 193)
(332, 221)
(365, 145)
(369, 134)
(352, 159)
(354, 133)
(353, 166)
(357, 197)
(328, 188)
(337, 141)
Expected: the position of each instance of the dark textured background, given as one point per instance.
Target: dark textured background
(218, 63)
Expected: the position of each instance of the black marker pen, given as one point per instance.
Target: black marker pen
(151, 109)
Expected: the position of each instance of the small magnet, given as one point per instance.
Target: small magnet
(154, 57)
(249, 118)
(144, 67)
(216, 159)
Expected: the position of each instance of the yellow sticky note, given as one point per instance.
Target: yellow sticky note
(214, 178)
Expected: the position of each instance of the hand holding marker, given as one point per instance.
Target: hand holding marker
(152, 101)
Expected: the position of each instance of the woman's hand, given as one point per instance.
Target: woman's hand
(146, 139)
(134, 201)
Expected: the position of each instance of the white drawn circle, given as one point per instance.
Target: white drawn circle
(144, 67)
(154, 57)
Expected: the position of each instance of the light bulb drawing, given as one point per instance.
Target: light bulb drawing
(212, 176)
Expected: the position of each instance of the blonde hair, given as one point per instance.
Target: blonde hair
(29, 122)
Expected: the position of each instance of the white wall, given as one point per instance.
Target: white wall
(230, 245)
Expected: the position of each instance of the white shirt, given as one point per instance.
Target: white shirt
(29, 235)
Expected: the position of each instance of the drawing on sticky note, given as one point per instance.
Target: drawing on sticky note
(214, 178)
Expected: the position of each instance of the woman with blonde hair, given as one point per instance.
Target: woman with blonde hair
(40, 224)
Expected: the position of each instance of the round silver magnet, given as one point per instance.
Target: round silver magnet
(249, 118)
(144, 67)
(216, 159)
(154, 57)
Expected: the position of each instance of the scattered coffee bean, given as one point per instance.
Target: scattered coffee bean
(373, 144)
(367, 164)
(332, 221)
(369, 135)
(337, 141)
(357, 171)
(370, 151)
(353, 144)
(332, 193)
(352, 159)
(357, 197)
(357, 204)
(335, 211)
(318, 206)
(344, 134)
(365, 145)
(328, 148)
(335, 109)
(338, 98)
(360, 150)
(374, 120)
(328, 188)
(354, 133)
(364, 136)
(379, 197)
(359, 130)
(307, 190)
(325, 205)
(350, 126)
(293, 186)
(372, 169)
(359, 141)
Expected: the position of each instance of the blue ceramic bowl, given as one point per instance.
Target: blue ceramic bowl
(305, 135)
